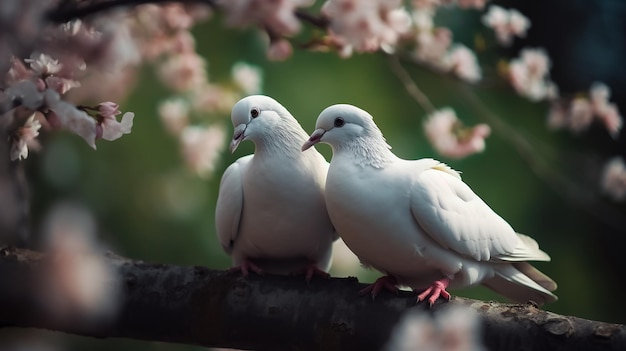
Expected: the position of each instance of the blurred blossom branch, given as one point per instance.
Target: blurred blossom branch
(546, 170)
(198, 306)
(71, 10)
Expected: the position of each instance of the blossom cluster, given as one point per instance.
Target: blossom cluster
(578, 113)
(450, 138)
(39, 90)
(451, 328)
(78, 281)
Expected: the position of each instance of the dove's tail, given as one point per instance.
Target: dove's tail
(521, 282)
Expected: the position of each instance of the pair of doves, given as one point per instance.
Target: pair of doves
(280, 209)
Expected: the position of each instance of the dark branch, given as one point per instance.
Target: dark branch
(68, 12)
(319, 22)
(197, 305)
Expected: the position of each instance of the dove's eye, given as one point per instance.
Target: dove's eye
(254, 112)
(339, 122)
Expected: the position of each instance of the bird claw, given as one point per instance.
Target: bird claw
(436, 290)
(245, 268)
(386, 282)
(311, 270)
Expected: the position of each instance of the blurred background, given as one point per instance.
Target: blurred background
(149, 206)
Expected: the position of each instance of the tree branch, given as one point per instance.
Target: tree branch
(67, 13)
(200, 306)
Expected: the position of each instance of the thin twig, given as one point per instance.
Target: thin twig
(67, 13)
(410, 85)
(320, 22)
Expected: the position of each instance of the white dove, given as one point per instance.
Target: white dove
(417, 221)
(270, 214)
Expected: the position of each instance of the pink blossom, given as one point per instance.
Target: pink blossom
(277, 16)
(454, 328)
(43, 64)
(61, 85)
(432, 47)
(614, 179)
(461, 61)
(24, 137)
(279, 50)
(18, 71)
(607, 112)
(201, 147)
(174, 114)
(109, 128)
(366, 26)
(78, 280)
(183, 72)
(247, 77)
(213, 98)
(450, 138)
(475, 4)
(108, 109)
(581, 115)
(612, 119)
(529, 75)
(507, 24)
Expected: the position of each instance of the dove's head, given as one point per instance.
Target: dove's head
(344, 124)
(263, 120)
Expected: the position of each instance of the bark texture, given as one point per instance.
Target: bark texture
(200, 306)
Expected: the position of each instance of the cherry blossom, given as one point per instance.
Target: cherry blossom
(461, 61)
(450, 138)
(529, 75)
(109, 128)
(24, 137)
(277, 16)
(279, 50)
(43, 64)
(184, 72)
(507, 24)
(580, 112)
(174, 114)
(614, 179)
(247, 77)
(366, 26)
(453, 328)
(201, 147)
(78, 281)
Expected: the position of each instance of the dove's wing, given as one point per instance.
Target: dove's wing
(456, 218)
(230, 203)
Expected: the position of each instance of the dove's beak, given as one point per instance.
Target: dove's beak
(315, 138)
(238, 136)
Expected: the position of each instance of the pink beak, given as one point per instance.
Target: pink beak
(315, 138)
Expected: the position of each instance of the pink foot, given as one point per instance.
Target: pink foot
(386, 282)
(438, 288)
(311, 270)
(246, 267)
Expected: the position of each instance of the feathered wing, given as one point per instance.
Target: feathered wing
(229, 205)
(456, 218)
(521, 282)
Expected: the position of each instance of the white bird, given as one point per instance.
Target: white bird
(417, 221)
(270, 214)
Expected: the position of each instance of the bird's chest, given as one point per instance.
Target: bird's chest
(367, 204)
